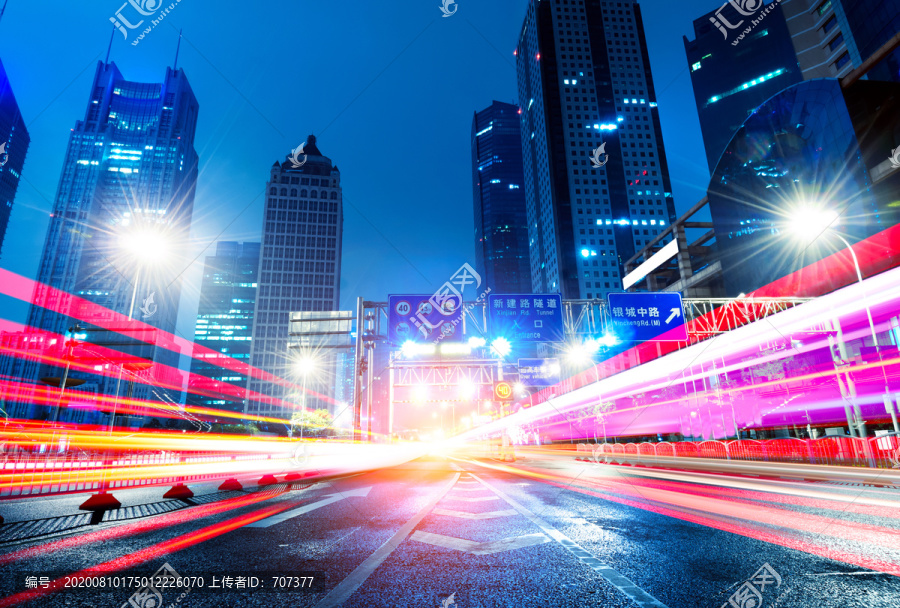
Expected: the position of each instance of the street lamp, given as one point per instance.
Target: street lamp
(304, 366)
(808, 223)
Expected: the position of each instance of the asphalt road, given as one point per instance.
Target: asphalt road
(450, 531)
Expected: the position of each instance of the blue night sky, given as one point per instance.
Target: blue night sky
(389, 89)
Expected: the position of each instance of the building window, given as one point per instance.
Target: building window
(842, 60)
(836, 42)
(829, 24)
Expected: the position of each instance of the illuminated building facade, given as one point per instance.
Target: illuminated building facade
(501, 225)
(584, 81)
(731, 81)
(16, 139)
(300, 266)
(815, 145)
(225, 324)
(130, 167)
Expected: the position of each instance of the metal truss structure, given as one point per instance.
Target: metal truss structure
(706, 317)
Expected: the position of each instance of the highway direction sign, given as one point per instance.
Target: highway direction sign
(539, 372)
(643, 317)
(526, 317)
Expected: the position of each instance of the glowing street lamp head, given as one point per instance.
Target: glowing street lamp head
(305, 365)
(501, 347)
(809, 221)
(466, 387)
(146, 245)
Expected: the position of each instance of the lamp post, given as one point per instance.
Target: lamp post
(809, 223)
(304, 366)
(145, 245)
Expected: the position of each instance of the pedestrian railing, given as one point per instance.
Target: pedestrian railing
(874, 452)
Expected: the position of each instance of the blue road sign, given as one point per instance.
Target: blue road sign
(643, 317)
(423, 318)
(539, 372)
(526, 317)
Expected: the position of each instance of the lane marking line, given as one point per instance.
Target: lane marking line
(475, 516)
(473, 499)
(330, 499)
(475, 548)
(347, 587)
(622, 583)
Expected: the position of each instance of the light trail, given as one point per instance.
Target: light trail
(150, 524)
(145, 555)
(721, 516)
(709, 380)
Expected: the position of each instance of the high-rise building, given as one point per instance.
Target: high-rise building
(729, 80)
(128, 178)
(832, 37)
(501, 224)
(225, 324)
(14, 141)
(596, 178)
(299, 269)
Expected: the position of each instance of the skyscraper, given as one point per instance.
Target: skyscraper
(225, 322)
(299, 269)
(832, 37)
(14, 142)
(596, 178)
(731, 81)
(128, 179)
(501, 225)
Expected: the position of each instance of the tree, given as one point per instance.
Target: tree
(315, 423)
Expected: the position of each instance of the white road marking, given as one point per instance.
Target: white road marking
(470, 546)
(467, 515)
(849, 574)
(332, 498)
(473, 499)
(347, 587)
(458, 489)
(623, 584)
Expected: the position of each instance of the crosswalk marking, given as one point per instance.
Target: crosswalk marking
(475, 548)
(476, 516)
